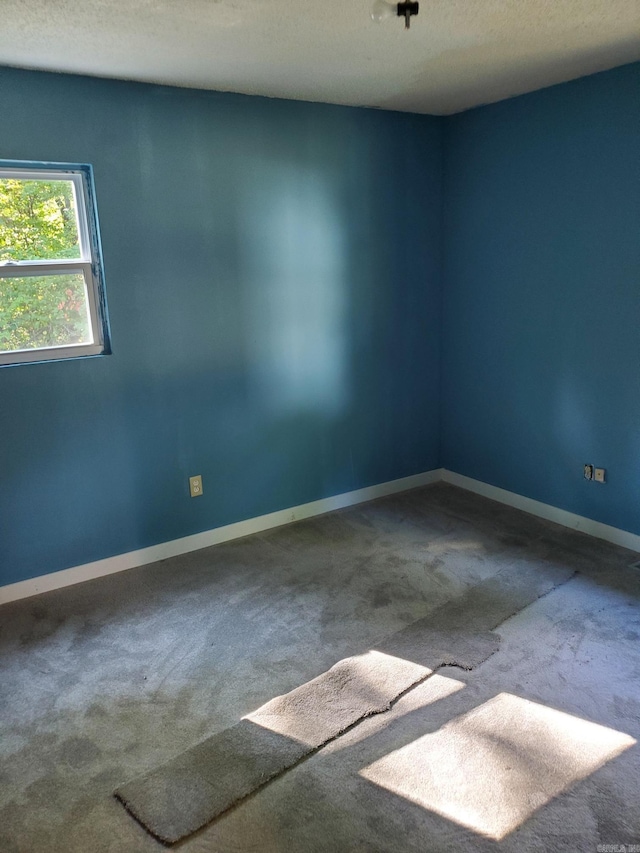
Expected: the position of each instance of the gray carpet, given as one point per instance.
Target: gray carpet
(106, 681)
(196, 787)
(191, 790)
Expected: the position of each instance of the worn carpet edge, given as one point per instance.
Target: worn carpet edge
(169, 840)
(188, 802)
(199, 785)
(124, 803)
(173, 801)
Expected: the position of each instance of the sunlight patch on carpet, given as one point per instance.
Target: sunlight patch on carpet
(437, 688)
(207, 780)
(199, 785)
(351, 690)
(492, 768)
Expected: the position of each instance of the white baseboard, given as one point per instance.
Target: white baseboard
(132, 559)
(550, 513)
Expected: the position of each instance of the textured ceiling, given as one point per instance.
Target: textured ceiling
(457, 54)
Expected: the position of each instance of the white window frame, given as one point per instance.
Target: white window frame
(89, 264)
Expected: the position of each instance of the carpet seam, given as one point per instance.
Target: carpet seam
(556, 586)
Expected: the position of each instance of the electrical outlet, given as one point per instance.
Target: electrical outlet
(195, 486)
(600, 475)
(588, 472)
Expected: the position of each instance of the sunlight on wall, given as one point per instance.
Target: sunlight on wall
(299, 302)
(492, 768)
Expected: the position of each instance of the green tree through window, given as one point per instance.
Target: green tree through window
(38, 221)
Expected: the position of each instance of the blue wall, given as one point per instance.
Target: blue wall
(541, 359)
(276, 294)
(273, 277)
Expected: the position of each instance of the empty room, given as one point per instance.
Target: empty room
(319, 426)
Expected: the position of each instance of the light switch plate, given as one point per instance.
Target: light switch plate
(600, 475)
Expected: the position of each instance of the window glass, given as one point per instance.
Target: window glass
(38, 220)
(43, 311)
(52, 301)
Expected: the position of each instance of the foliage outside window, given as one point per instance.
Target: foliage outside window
(51, 291)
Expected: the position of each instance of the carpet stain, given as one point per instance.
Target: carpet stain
(78, 751)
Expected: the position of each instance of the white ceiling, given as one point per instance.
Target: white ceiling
(457, 54)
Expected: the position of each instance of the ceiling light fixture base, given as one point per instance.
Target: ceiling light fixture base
(406, 10)
(384, 11)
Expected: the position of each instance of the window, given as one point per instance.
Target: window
(52, 302)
